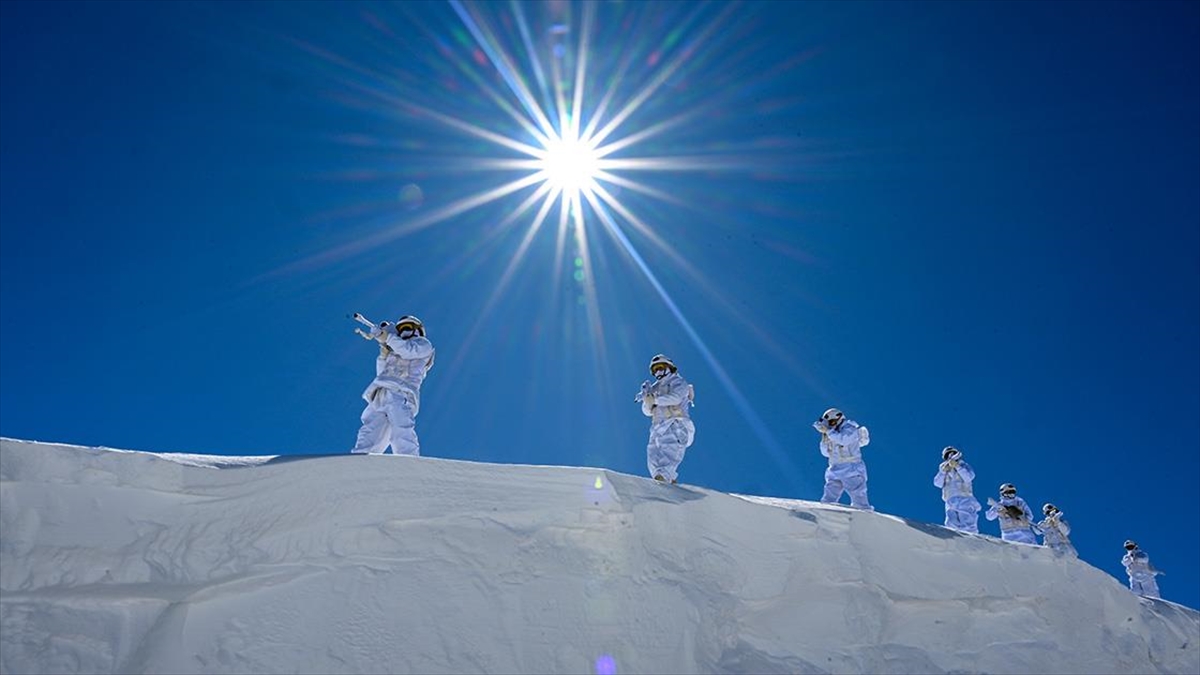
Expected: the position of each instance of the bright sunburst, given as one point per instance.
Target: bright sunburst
(569, 165)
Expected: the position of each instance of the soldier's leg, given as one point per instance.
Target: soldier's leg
(665, 450)
(856, 485)
(833, 488)
(373, 434)
(403, 426)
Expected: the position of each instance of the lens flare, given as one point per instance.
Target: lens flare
(606, 665)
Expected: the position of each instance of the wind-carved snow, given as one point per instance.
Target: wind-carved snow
(129, 562)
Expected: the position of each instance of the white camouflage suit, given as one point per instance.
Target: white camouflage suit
(672, 431)
(394, 396)
(1012, 528)
(847, 472)
(1141, 573)
(1054, 531)
(962, 509)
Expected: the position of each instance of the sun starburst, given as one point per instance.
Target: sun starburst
(569, 165)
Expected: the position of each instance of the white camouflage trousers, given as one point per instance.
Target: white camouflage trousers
(849, 477)
(668, 441)
(962, 513)
(1143, 584)
(388, 419)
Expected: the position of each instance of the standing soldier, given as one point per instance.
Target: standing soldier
(394, 396)
(1141, 572)
(954, 477)
(1016, 520)
(666, 401)
(842, 441)
(1055, 530)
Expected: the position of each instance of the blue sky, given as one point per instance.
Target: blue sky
(962, 223)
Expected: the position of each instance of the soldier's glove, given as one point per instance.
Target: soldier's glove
(819, 425)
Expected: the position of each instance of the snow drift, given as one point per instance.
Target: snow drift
(132, 562)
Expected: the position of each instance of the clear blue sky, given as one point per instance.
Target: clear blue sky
(962, 223)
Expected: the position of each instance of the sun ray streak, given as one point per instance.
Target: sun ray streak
(560, 95)
(598, 114)
(638, 187)
(649, 132)
(645, 230)
(506, 277)
(494, 94)
(560, 245)
(675, 64)
(685, 163)
(589, 14)
(542, 191)
(378, 92)
(589, 279)
(740, 401)
(538, 73)
(390, 234)
(697, 279)
(472, 129)
(490, 236)
(504, 66)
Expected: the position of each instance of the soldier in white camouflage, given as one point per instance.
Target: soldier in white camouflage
(666, 401)
(1016, 520)
(842, 441)
(394, 396)
(1054, 529)
(954, 477)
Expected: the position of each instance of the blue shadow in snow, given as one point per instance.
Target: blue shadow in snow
(939, 531)
(284, 459)
(648, 490)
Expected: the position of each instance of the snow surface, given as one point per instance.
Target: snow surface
(131, 562)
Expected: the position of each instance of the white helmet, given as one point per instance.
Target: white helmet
(1130, 544)
(1008, 488)
(1049, 508)
(660, 365)
(951, 452)
(411, 322)
(832, 417)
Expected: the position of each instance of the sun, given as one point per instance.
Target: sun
(569, 165)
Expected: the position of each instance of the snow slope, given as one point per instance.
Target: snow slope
(131, 562)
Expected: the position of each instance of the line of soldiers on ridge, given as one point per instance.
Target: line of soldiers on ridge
(406, 356)
(842, 440)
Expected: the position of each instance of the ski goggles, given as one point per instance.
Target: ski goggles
(660, 370)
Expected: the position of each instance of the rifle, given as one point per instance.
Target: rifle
(377, 332)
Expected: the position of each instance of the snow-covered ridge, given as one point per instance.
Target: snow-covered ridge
(132, 562)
